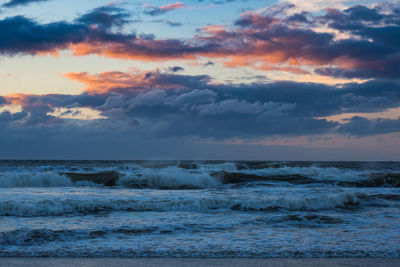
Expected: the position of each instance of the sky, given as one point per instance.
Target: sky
(200, 79)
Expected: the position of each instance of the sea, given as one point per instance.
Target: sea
(254, 209)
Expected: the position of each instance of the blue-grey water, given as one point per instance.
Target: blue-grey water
(199, 209)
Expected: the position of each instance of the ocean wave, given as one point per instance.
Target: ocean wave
(28, 236)
(210, 251)
(307, 219)
(37, 235)
(169, 178)
(194, 176)
(52, 179)
(57, 207)
(27, 179)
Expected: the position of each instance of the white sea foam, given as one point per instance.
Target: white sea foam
(169, 177)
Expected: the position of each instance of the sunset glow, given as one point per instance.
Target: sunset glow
(167, 71)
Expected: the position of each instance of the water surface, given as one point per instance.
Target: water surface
(199, 209)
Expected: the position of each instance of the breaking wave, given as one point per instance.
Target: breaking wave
(173, 177)
(57, 207)
(199, 209)
(170, 177)
(37, 235)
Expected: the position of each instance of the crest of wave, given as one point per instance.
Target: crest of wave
(41, 179)
(170, 177)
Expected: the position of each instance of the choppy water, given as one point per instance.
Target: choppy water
(199, 209)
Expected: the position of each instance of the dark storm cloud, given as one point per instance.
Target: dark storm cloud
(359, 126)
(36, 109)
(363, 13)
(14, 3)
(19, 34)
(299, 17)
(376, 53)
(167, 120)
(352, 18)
(6, 116)
(281, 108)
(165, 105)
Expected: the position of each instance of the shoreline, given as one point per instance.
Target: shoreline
(231, 262)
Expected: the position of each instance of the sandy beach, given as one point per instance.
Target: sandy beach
(88, 262)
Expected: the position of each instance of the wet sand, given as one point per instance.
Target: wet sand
(89, 262)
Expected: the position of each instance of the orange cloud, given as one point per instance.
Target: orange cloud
(101, 83)
(17, 99)
(143, 50)
(173, 6)
(136, 81)
(213, 29)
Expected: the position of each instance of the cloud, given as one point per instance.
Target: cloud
(357, 42)
(359, 126)
(76, 113)
(8, 117)
(196, 96)
(171, 113)
(166, 109)
(15, 3)
(21, 35)
(105, 17)
(155, 11)
(209, 63)
(173, 24)
(136, 81)
(286, 43)
(244, 107)
(176, 68)
(168, 105)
